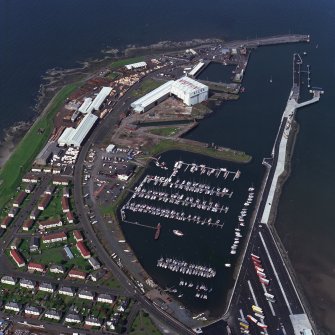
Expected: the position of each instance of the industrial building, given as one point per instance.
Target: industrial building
(152, 98)
(189, 90)
(75, 136)
(137, 65)
(88, 105)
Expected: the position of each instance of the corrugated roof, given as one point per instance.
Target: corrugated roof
(153, 96)
(100, 98)
(84, 108)
(76, 136)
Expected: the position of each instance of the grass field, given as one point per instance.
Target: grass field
(50, 256)
(122, 62)
(164, 131)
(147, 86)
(229, 155)
(143, 325)
(31, 144)
(54, 209)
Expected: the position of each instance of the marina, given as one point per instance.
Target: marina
(199, 207)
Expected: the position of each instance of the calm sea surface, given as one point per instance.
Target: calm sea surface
(38, 35)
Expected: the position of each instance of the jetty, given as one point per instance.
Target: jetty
(280, 148)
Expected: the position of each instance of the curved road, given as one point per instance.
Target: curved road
(100, 131)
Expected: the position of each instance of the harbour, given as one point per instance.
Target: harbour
(194, 201)
(296, 221)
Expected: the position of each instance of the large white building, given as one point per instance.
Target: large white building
(187, 89)
(88, 105)
(190, 91)
(75, 136)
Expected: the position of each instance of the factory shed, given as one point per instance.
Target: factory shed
(159, 94)
(64, 138)
(137, 65)
(190, 91)
(100, 98)
(85, 107)
(187, 89)
(75, 137)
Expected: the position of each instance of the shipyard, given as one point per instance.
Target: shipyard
(178, 225)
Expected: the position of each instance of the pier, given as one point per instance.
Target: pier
(272, 40)
(280, 148)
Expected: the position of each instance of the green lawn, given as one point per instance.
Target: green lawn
(31, 144)
(122, 62)
(113, 75)
(147, 86)
(164, 131)
(230, 155)
(109, 281)
(50, 256)
(54, 209)
(143, 325)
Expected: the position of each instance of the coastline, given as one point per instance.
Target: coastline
(55, 79)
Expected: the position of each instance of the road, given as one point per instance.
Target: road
(98, 134)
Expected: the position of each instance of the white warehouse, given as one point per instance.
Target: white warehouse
(75, 136)
(189, 90)
(88, 105)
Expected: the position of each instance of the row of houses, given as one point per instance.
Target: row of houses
(63, 290)
(53, 314)
(15, 209)
(33, 178)
(47, 169)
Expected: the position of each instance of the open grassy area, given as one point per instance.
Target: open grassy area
(164, 131)
(147, 86)
(54, 209)
(112, 75)
(229, 155)
(31, 144)
(122, 62)
(50, 256)
(109, 281)
(143, 325)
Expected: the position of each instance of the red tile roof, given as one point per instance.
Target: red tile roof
(28, 224)
(82, 249)
(17, 257)
(77, 274)
(78, 236)
(54, 236)
(36, 266)
(6, 221)
(20, 197)
(65, 204)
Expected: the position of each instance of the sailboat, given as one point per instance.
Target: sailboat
(271, 79)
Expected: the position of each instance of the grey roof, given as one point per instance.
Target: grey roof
(87, 293)
(27, 282)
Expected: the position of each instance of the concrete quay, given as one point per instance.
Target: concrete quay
(285, 313)
(272, 40)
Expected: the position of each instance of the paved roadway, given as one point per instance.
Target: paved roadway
(97, 135)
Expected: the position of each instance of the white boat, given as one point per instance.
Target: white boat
(227, 265)
(178, 232)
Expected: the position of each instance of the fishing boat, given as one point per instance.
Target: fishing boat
(178, 232)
